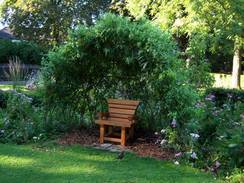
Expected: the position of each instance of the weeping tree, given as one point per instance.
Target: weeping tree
(121, 59)
(198, 26)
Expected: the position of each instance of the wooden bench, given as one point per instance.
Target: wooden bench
(121, 114)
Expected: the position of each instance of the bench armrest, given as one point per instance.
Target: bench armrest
(103, 115)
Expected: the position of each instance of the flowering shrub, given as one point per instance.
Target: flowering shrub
(221, 135)
(20, 121)
(23, 120)
(215, 140)
(223, 95)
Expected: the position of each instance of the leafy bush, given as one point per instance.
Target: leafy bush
(236, 177)
(29, 53)
(216, 140)
(20, 121)
(118, 58)
(3, 99)
(222, 95)
(23, 120)
(221, 135)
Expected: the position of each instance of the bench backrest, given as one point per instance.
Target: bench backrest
(120, 110)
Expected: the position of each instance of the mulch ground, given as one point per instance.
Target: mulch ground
(143, 145)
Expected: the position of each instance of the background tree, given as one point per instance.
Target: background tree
(48, 21)
(199, 26)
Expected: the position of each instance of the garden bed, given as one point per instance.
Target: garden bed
(143, 146)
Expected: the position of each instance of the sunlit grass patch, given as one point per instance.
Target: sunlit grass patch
(28, 163)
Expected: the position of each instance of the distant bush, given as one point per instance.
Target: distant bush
(29, 53)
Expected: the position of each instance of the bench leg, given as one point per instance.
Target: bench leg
(101, 134)
(123, 138)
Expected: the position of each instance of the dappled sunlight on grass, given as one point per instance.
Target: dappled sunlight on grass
(79, 164)
(15, 161)
(79, 168)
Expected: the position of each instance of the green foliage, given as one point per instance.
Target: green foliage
(29, 53)
(24, 119)
(222, 95)
(47, 22)
(121, 59)
(3, 99)
(236, 177)
(20, 121)
(199, 27)
(215, 137)
(221, 135)
(179, 18)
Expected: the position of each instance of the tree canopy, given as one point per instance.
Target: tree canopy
(48, 21)
(198, 25)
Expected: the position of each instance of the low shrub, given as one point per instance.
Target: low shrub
(23, 120)
(221, 135)
(216, 140)
(237, 176)
(20, 121)
(3, 99)
(221, 95)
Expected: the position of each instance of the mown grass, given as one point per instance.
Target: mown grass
(75, 164)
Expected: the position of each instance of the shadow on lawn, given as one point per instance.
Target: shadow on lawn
(76, 164)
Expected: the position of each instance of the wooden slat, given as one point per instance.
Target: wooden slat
(125, 120)
(113, 123)
(122, 116)
(118, 106)
(123, 102)
(121, 111)
(112, 139)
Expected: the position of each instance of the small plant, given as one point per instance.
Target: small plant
(15, 72)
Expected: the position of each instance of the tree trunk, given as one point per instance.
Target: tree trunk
(236, 69)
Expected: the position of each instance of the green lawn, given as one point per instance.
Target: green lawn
(29, 164)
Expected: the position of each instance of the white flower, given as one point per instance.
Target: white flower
(193, 155)
(178, 154)
(163, 131)
(163, 142)
(194, 135)
(156, 133)
(210, 97)
(176, 163)
(173, 123)
(217, 164)
(35, 138)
